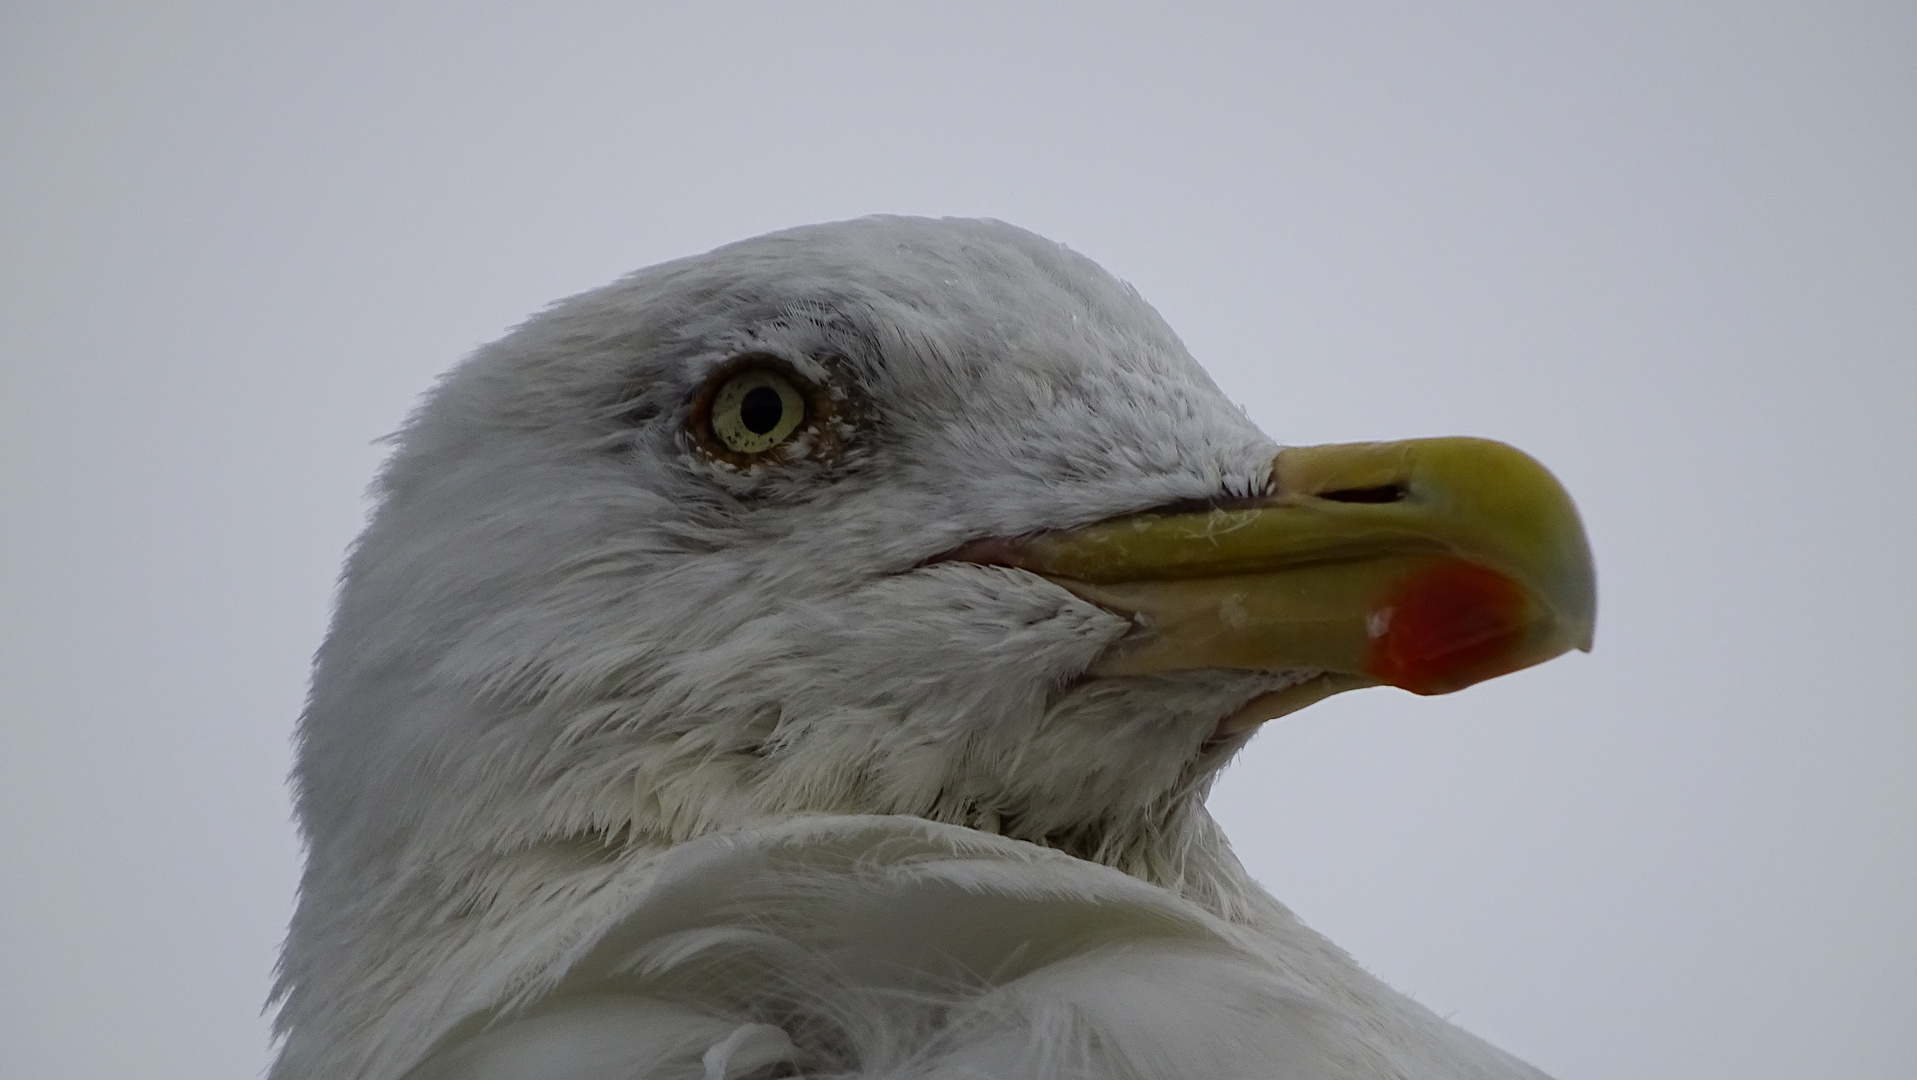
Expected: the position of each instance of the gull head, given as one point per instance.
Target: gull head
(891, 516)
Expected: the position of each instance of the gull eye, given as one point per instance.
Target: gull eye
(756, 410)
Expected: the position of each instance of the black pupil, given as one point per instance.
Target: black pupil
(761, 409)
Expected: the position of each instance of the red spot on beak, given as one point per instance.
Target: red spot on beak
(1448, 627)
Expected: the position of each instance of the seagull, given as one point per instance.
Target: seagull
(811, 658)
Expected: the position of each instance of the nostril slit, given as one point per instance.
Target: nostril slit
(1384, 493)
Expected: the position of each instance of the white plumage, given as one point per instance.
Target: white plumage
(627, 758)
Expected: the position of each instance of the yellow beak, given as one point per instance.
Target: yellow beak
(1428, 565)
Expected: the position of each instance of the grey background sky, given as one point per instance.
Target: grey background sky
(1668, 247)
